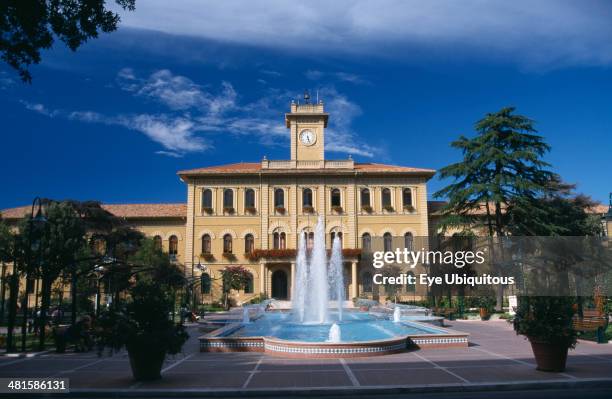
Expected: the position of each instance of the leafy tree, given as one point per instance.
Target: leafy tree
(501, 164)
(233, 278)
(6, 256)
(29, 26)
(64, 239)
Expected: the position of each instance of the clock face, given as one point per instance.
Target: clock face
(307, 137)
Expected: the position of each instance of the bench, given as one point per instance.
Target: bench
(592, 320)
(445, 312)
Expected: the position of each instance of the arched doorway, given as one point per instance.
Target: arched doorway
(279, 285)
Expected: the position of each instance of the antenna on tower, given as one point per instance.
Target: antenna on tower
(317, 96)
(306, 97)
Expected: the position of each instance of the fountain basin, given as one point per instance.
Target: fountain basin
(362, 334)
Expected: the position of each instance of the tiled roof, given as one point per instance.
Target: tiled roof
(130, 211)
(436, 206)
(241, 167)
(379, 167)
(254, 167)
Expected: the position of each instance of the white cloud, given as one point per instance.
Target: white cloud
(194, 115)
(340, 76)
(176, 91)
(543, 32)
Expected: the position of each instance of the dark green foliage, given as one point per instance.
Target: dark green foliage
(29, 26)
(143, 324)
(547, 319)
(502, 162)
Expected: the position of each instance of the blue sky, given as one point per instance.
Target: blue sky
(203, 83)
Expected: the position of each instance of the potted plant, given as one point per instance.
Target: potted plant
(207, 256)
(229, 256)
(208, 210)
(228, 209)
(280, 209)
(308, 209)
(251, 210)
(366, 208)
(547, 323)
(409, 208)
(337, 208)
(144, 329)
(388, 208)
(485, 305)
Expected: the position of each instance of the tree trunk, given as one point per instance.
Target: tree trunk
(24, 313)
(73, 295)
(12, 314)
(2, 293)
(44, 306)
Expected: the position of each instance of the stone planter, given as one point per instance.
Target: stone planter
(549, 357)
(146, 363)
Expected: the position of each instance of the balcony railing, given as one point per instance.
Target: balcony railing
(337, 164)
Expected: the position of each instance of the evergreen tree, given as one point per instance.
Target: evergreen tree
(502, 165)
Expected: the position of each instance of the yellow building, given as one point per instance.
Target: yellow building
(251, 214)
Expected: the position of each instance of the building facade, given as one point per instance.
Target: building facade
(252, 214)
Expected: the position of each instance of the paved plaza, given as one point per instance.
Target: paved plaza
(495, 356)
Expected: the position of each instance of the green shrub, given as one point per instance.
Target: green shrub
(547, 319)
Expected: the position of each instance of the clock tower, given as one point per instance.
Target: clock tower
(307, 123)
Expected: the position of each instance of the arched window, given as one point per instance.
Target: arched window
(366, 242)
(408, 241)
(248, 284)
(279, 240)
(205, 283)
(407, 197)
(334, 235)
(228, 198)
(365, 197)
(206, 244)
(386, 197)
(279, 198)
(387, 242)
(366, 280)
(307, 197)
(249, 198)
(173, 246)
(206, 199)
(410, 288)
(227, 244)
(309, 239)
(335, 197)
(249, 244)
(157, 243)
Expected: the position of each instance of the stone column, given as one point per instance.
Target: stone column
(354, 290)
(262, 278)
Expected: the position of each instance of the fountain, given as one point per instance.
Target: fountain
(336, 275)
(334, 334)
(301, 280)
(316, 285)
(319, 326)
(397, 315)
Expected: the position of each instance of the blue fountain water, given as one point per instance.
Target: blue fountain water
(355, 327)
